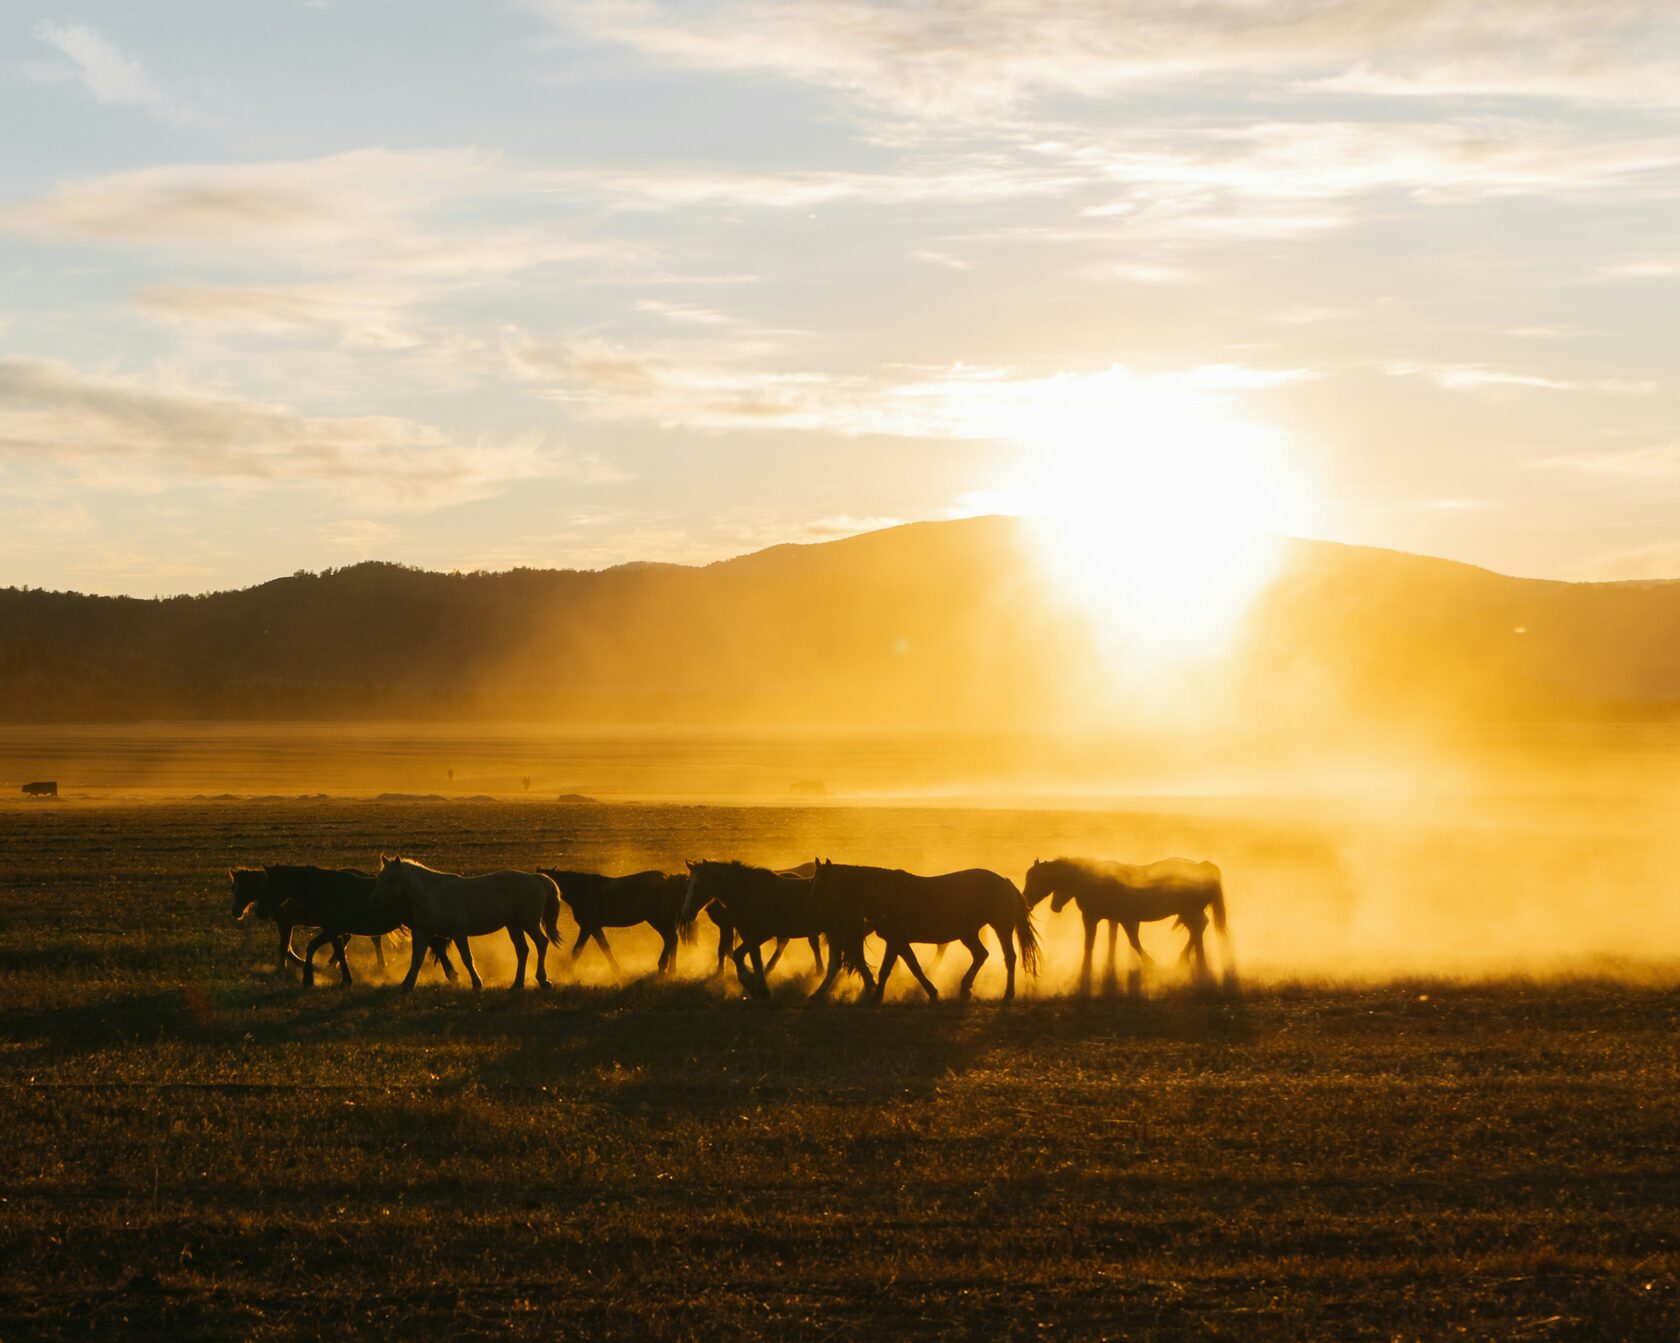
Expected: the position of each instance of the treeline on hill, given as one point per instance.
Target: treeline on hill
(930, 624)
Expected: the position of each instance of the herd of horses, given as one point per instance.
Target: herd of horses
(833, 906)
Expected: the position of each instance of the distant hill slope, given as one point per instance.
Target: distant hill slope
(934, 623)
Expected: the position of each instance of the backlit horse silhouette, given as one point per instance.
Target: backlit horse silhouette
(760, 905)
(598, 902)
(901, 909)
(446, 905)
(1126, 895)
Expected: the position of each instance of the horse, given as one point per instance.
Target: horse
(726, 929)
(901, 908)
(599, 902)
(1126, 895)
(759, 904)
(334, 900)
(439, 905)
(274, 893)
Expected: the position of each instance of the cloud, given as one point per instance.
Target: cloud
(676, 386)
(348, 244)
(110, 429)
(108, 74)
(1652, 462)
(981, 59)
(1645, 563)
(1472, 377)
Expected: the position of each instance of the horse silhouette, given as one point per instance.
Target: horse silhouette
(1125, 895)
(598, 902)
(760, 905)
(439, 905)
(902, 908)
(337, 901)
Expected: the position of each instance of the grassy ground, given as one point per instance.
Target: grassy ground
(202, 1149)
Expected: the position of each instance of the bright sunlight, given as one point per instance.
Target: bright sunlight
(1156, 507)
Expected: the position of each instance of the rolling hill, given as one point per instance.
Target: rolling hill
(929, 624)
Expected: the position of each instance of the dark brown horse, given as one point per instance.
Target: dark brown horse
(760, 905)
(901, 908)
(1128, 894)
(334, 900)
(598, 902)
(726, 929)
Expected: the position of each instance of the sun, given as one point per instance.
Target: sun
(1157, 511)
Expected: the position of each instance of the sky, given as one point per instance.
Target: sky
(293, 285)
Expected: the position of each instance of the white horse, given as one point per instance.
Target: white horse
(438, 905)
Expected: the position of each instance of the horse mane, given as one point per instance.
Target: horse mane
(415, 862)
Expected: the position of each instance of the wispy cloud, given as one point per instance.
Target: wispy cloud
(972, 59)
(106, 72)
(1473, 377)
(349, 243)
(113, 429)
(1651, 462)
(677, 386)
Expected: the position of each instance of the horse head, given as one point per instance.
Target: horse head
(1038, 883)
(249, 886)
(694, 900)
(390, 888)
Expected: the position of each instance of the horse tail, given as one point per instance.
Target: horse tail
(1216, 902)
(551, 910)
(1025, 933)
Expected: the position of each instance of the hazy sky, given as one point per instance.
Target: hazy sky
(474, 285)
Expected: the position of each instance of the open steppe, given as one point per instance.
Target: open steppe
(201, 1148)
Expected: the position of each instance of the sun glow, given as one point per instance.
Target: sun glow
(1155, 508)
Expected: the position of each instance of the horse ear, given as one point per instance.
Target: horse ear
(231, 875)
(689, 863)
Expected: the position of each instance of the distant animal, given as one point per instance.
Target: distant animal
(760, 905)
(599, 902)
(42, 788)
(337, 901)
(726, 928)
(447, 905)
(903, 909)
(1127, 894)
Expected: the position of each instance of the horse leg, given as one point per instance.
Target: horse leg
(440, 953)
(1134, 974)
(465, 948)
(1137, 946)
(757, 954)
(822, 989)
(668, 949)
(977, 949)
(739, 956)
(1113, 980)
(309, 963)
(601, 941)
(287, 955)
(1085, 965)
(579, 945)
(1006, 941)
(339, 944)
(379, 951)
(909, 954)
(417, 954)
(816, 952)
(887, 963)
(776, 955)
(519, 953)
(541, 942)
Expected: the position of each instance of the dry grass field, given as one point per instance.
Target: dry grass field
(200, 1148)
